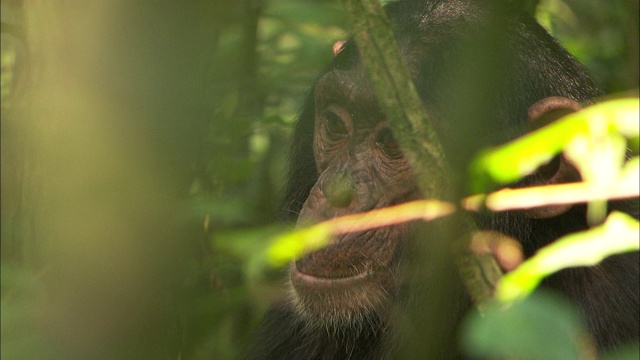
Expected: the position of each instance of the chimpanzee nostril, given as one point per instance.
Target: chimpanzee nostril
(338, 189)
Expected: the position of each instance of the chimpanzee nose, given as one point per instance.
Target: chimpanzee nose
(338, 189)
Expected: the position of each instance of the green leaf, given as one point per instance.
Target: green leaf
(510, 162)
(617, 235)
(518, 158)
(289, 246)
(542, 326)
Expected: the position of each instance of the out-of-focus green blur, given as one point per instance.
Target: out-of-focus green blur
(143, 148)
(135, 134)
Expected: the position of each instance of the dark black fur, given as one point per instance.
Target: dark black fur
(532, 65)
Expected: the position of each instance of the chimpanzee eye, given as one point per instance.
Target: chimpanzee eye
(388, 144)
(335, 127)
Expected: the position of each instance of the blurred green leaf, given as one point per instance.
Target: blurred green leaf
(250, 245)
(288, 246)
(620, 233)
(626, 186)
(22, 315)
(291, 245)
(599, 124)
(225, 210)
(600, 162)
(542, 326)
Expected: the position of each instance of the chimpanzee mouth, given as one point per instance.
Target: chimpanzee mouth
(301, 279)
(355, 271)
(340, 300)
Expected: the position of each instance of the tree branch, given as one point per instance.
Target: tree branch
(407, 117)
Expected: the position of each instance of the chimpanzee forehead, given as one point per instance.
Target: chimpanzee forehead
(349, 89)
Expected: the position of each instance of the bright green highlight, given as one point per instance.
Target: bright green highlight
(618, 234)
(598, 124)
(291, 245)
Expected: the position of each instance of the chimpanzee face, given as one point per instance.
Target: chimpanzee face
(361, 168)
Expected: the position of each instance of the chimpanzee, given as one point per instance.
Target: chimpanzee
(345, 160)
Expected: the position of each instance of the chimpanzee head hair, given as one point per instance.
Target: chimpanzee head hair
(528, 65)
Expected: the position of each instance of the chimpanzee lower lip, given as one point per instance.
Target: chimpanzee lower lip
(307, 279)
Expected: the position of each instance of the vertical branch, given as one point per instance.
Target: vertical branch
(396, 93)
(404, 110)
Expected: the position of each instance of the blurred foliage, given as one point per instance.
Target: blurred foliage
(214, 88)
(543, 326)
(521, 324)
(603, 35)
(594, 139)
(143, 148)
(618, 234)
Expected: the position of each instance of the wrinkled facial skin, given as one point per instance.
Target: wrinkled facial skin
(360, 168)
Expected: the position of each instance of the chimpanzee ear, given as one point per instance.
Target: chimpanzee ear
(551, 108)
(559, 170)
